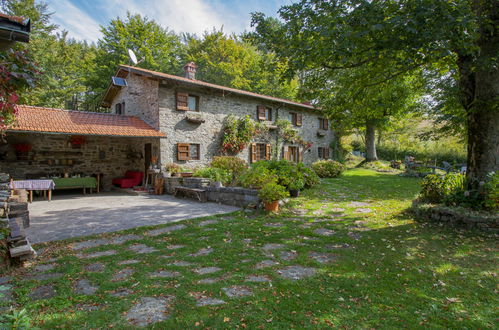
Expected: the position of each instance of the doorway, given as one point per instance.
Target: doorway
(147, 157)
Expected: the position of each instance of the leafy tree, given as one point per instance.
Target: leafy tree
(63, 62)
(159, 48)
(391, 39)
(230, 61)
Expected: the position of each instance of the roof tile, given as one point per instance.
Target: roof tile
(50, 120)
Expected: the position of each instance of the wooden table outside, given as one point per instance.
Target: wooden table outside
(45, 185)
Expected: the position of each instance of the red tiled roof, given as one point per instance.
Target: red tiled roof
(50, 120)
(16, 19)
(210, 85)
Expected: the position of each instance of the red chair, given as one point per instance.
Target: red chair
(130, 180)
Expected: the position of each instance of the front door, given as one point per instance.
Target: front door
(147, 157)
(293, 154)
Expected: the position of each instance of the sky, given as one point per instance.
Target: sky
(83, 18)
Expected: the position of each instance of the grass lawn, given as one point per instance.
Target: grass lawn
(364, 264)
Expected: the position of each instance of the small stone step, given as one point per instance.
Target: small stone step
(20, 250)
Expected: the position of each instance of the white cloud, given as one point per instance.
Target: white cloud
(193, 16)
(79, 24)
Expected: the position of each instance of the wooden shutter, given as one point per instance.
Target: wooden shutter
(183, 152)
(182, 101)
(326, 124)
(285, 153)
(267, 152)
(253, 152)
(299, 119)
(300, 154)
(260, 112)
(327, 152)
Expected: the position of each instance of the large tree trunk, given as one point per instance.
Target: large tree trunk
(371, 141)
(479, 84)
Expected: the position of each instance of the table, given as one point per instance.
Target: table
(30, 185)
(72, 183)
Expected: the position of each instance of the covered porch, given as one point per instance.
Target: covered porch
(77, 150)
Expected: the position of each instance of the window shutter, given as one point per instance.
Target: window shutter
(319, 152)
(327, 152)
(300, 154)
(299, 119)
(182, 101)
(260, 112)
(267, 152)
(183, 152)
(253, 152)
(285, 153)
(326, 124)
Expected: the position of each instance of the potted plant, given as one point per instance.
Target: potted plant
(295, 186)
(270, 194)
(173, 168)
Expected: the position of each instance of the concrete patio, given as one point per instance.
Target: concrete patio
(70, 216)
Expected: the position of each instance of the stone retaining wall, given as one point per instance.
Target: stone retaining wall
(235, 196)
(4, 223)
(456, 216)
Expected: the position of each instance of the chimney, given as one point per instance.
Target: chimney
(190, 70)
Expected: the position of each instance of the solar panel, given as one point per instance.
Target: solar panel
(117, 81)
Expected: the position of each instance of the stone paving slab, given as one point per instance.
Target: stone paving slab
(128, 262)
(45, 276)
(123, 274)
(273, 246)
(207, 301)
(96, 267)
(209, 280)
(358, 204)
(43, 292)
(288, 255)
(323, 257)
(44, 267)
(149, 310)
(84, 287)
(362, 210)
(266, 263)
(181, 263)
(296, 272)
(142, 248)
(109, 212)
(160, 231)
(175, 247)
(237, 291)
(257, 278)
(91, 243)
(202, 252)
(207, 270)
(96, 254)
(164, 274)
(324, 232)
(121, 293)
(207, 222)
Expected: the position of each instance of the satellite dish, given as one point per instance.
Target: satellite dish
(132, 56)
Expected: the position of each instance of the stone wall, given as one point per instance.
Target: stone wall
(235, 196)
(214, 108)
(456, 216)
(141, 99)
(51, 154)
(4, 223)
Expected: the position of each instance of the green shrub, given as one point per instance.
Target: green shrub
(491, 190)
(256, 177)
(310, 177)
(214, 174)
(328, 168)
(440, 189)
(173, 168)
(230, 163)
(15, 320)
(272, 192)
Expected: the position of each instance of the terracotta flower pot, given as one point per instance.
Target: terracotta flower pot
(271, 206)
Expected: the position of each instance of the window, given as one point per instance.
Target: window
(323, 123)
(259, 151)
(117, 81)
(187, 102)
(296, 119)
(263, 113)
(323, 152)
(188, 151)
(119, 108)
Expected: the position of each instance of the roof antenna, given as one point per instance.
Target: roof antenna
(133, 58)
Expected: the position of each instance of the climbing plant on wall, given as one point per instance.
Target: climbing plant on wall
(238, 132)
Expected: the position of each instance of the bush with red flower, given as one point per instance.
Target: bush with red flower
(17, 72)
(238, 132)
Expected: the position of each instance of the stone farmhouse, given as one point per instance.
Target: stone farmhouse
(155, 117)
(191, 114)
